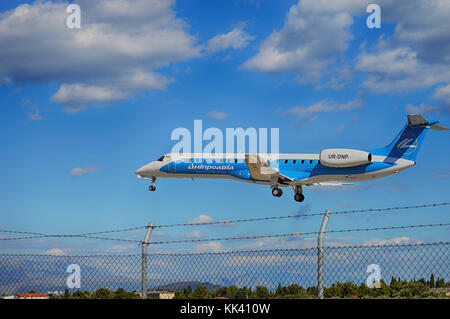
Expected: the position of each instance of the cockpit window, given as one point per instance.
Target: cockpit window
(160, 159)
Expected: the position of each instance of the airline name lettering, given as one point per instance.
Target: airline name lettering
(211, 167)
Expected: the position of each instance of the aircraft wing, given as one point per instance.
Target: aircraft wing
(261, 170)
(330, 184)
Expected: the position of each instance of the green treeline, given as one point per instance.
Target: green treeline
(396, 289)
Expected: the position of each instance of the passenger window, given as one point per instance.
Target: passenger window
(294, 161)
(285, 161)
(310, 161)
(236, 160)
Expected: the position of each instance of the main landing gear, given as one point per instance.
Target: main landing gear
(277, 192)
(299, 197)
(152, 187)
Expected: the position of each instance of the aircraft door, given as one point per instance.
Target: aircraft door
(172, 167)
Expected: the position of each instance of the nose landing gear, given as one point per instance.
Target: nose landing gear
(152, 187)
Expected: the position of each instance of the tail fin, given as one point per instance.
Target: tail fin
(407, 143)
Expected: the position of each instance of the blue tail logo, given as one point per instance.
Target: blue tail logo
(407, 143)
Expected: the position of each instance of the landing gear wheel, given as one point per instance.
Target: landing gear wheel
(277, 192)
(299, 197)
(152, 188)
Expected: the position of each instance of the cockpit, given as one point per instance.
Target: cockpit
(160, 159)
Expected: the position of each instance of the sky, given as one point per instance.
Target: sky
(82, 109)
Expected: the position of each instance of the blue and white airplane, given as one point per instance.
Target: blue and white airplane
(331, 167)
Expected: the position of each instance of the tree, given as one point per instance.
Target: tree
(432, 282)
(201, 292)
(103, 293)
(262, 292)
(244, 293)
(188, 291)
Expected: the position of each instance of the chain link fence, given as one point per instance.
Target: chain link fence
(252, 268)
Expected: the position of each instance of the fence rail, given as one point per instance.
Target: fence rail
(250, 268)
(307, 267)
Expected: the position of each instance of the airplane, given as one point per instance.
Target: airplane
(331, 167)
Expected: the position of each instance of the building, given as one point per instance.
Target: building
(55, 293)
(33, 295)
(445, 290)
(9, 297)
(160, 294)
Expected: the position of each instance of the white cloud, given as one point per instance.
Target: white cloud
(311, 112)
(36, 116)
(213, 247)
(443, 93)
(421, 109)
(194, 234)
(55, 252)
(314, 35)
(236, 39)
(120, 248)
(4, 80)
(80, 94)
(201, 219)
(113, 56)
(417, 55)
(75, 172)
(218, 115)
(391, 241)
(36, 113)
(398, 69)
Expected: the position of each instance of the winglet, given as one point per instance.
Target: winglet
(416, 119)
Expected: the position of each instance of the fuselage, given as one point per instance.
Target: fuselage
(305, 167)
(335, 166)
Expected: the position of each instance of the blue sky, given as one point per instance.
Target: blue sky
(105, 99)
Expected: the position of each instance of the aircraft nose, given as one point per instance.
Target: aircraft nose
(145, 170)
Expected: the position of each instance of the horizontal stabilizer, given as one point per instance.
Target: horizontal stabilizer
(439, 127)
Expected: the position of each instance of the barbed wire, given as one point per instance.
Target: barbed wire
(231, 238)
(304, 215)
(84, 235)
(229, 252)
(293, 234)
(92, 235)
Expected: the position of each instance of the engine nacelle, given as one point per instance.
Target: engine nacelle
(340, 157)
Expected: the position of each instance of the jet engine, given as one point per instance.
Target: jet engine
(340, 157)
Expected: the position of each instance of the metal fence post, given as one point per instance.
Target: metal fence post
(145, 244)
(323, 228)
